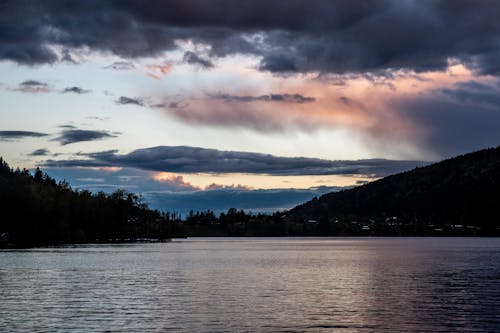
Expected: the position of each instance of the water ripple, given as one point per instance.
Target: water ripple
(255, 285)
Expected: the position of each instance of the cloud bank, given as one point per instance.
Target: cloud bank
(176, 195)
(183, 159)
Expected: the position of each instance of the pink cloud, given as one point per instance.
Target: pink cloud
(157, 72)
(370, 108)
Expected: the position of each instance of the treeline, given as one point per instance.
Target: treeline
(237, 223)
(37, 210)
(232, 223)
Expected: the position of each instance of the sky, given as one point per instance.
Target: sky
(259, 105)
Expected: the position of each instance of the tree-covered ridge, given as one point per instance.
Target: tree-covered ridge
(36, 210)
(463, 191)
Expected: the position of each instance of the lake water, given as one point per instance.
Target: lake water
(255, 285)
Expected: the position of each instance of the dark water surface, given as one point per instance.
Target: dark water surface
(255, 285)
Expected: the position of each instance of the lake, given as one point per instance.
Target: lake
(255, 285)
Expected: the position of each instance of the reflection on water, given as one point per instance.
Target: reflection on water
(252, 284)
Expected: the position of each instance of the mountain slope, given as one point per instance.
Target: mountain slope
(461, 190)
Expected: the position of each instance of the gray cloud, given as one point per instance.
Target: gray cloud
(194, 59)
(69, 136)
(284, 98)
(33, 83)
(67, 126)
(68, 57)
(17, 135)
(184, 159)
(76, 90)
(123, 100)
(121, 65)
(40, 152)
(278, 63)
(289, 36)
(170, 105)
(33, 87)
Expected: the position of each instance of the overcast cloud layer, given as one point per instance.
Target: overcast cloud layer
(289, 36)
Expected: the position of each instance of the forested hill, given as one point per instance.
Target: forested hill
(35, 210)
(461, 192)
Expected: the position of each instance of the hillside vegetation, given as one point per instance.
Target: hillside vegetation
(36, 210)
(458, 193)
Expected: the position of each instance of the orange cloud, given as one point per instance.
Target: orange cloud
(204, 181)
(172, 178)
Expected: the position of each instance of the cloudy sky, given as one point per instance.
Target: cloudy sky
(258, 105)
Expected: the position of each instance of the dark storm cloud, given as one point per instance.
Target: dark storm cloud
(285, 98)
(69, 136)
(184, 159)
(123, 100)
(289, 36)
(457, 120)
(39, 152)
(194, 59)
(279, 63)
(76, 90)
(16, 135)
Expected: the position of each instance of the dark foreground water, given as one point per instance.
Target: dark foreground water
(255, 285)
